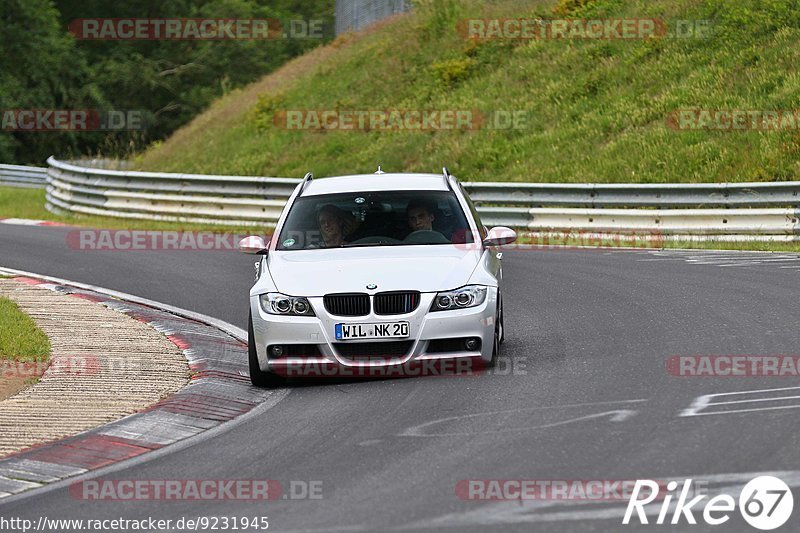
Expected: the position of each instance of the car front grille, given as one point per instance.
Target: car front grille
(353, 304)
(373, 351)
(396, 303)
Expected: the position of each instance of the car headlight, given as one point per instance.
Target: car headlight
(467, 296)
(276, 303)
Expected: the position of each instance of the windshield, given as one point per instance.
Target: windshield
(380, 218)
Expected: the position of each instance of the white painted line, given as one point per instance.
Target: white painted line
(715, 258)
(618, 415)
(725, 261)
(697, 405)
(758, 400)
(702, 402)
(756, 391)
(758, 262)
(700, 252)
(22, 222)
(753, 410)
(731, 258)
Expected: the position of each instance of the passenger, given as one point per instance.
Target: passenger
(420, 215)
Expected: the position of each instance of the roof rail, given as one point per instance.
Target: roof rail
(308, 177)
(447, 178)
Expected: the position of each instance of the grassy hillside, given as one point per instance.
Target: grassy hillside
(596, 109)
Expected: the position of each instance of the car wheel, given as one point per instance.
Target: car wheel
(500, 322)
(258, 377)
(495, 341)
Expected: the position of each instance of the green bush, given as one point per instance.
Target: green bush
(262, 115)
(451, 71)
(565, 8)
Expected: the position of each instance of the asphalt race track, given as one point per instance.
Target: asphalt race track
(582, 393)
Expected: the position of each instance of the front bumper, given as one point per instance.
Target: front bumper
(419, 358)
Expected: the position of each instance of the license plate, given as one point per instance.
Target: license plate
(383, 330)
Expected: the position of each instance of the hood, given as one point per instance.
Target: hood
(421, 268)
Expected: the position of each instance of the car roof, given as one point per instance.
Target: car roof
(376, 182)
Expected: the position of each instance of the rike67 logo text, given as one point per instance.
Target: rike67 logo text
(765, 503)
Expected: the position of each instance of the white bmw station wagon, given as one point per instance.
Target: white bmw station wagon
(375, 271)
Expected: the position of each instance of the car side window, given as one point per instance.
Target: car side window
(472, 209)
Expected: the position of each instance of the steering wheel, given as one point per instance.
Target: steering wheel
(376, 239)
(426, 236)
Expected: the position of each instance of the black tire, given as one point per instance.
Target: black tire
(258, 377)
(496, 337)
(500, 321)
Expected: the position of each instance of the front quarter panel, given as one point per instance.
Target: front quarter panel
(488, 270)
(264, 283)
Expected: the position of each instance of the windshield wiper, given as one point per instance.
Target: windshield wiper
(363, 244)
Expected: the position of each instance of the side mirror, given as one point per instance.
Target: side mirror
(500, 235)
(253, 245)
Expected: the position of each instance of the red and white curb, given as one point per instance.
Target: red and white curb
(219, 391)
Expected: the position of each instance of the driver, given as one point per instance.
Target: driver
(334, 224)
(419, 215)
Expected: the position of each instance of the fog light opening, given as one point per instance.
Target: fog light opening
(276, 350)
(472, 344)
